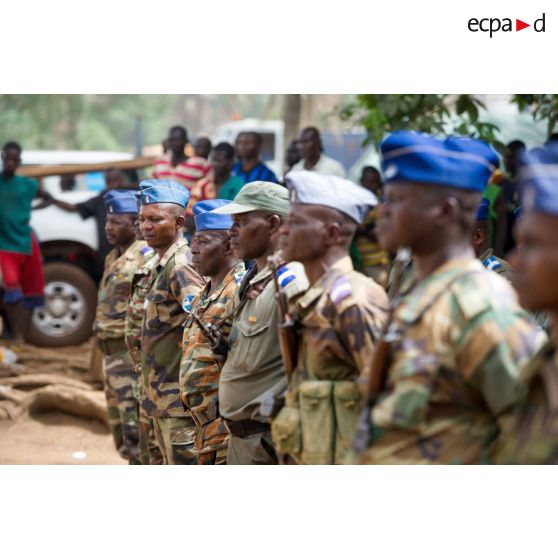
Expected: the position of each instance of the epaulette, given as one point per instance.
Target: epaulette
(285, 276)
(340, 290)
(491, 263)
(187, 303)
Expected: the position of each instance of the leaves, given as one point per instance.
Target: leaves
(433, 113)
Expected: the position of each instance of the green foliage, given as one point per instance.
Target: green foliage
(435, 114)
(542, 107)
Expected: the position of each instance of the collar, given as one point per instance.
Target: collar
(261, 275)
(419, 299)
(231, 276)
(173, 248)
(341, 267)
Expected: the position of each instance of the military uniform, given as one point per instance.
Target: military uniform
(149, 453)
(200, 368)
(461, 338)
(120, 379)
(340, 317)
(458, 338)
(173, 285)
(253, 372)
(532, 436)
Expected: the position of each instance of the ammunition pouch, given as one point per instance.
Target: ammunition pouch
(318, 422)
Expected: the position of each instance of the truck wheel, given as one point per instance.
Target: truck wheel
(69, 311)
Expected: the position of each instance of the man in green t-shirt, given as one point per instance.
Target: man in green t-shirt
(20, 257)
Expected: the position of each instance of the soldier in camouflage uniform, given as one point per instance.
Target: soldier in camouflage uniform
(200, 367)
(149, 453)
(253, 371)
(172, 286)
(339, 318)
(459, 335)
(114, 297)
(533, 434)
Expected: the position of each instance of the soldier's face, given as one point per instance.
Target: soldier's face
(303, 234)
(251, 234)
(119, 229)
(535, 261)
(209, 252)
(404, 218)
(160, 223)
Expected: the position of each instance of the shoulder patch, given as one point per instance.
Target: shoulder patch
(187, 303)
(285, 276)
(146, 250)
(492, 263)
(238, 276)
(340, 290)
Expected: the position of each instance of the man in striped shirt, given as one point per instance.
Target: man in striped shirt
(176, 166)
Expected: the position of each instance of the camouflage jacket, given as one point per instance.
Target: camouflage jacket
(115, 290)
(173, 285)
(200, 367)
(532, 436)
(136, 311)
(340, 318)
(340, 315)
(460, 340)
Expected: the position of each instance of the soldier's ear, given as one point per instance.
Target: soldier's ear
(180, 220)
(274, 223)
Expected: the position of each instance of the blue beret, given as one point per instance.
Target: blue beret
(457, 162)
(206, 220)
(163, 191)
(311, 188)
(538, 180)
(121, 201)
(483, 210)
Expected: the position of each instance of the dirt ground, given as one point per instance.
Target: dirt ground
(42, 434)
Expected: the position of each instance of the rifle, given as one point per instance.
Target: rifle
(381, 359)
(217, 343)
(288, 335)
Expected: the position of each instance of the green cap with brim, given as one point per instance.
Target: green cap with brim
(258, 196)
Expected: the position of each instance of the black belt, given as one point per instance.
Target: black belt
(244, 428)
(112, 346)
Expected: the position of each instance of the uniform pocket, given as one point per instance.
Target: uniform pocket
(347, 406)
(285, 431)
(181, 433)
(251, 338)
(318, 422)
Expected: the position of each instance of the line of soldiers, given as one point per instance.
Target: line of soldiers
(260, 344)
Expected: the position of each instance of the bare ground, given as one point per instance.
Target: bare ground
(51, 436)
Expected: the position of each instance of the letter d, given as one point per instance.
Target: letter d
(535, 25)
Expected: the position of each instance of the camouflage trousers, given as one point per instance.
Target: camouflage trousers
(175, 438)
(119, 379)
(210, 441)
(149, 452)
(256, 449)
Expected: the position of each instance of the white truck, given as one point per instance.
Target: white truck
(69, 249)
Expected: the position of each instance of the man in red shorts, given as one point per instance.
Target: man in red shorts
(20, 257)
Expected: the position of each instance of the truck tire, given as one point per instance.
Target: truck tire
(69, 311)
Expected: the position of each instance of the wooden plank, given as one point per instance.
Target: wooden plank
(39, 171)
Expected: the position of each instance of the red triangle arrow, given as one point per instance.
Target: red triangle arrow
(519, 25)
